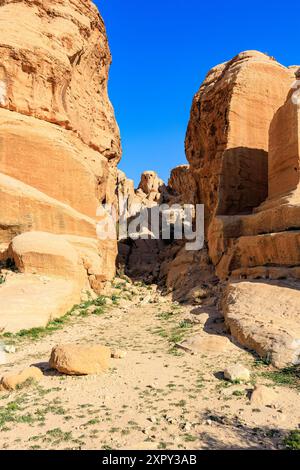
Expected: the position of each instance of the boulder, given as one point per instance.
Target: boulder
(264, 396)
(264, 317)
(237, 372)
(32, 301)
(208, 344)
(74, 359)
(13, 381)
(47, 254)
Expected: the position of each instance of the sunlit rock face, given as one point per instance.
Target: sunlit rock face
(242, 143)
(228, 134)
(59, 140)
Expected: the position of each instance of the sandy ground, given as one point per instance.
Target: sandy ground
(157, 397)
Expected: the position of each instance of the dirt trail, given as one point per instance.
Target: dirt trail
(156, 397)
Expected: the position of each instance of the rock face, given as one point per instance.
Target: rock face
(54, 67)
(80, 360)
(242, 145)
(140, 257)
(59, 141)
(228, 133)
(150, 186)
(183, 185)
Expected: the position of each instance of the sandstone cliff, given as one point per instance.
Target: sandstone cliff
(59, 145)
(228, 133)
(242, 144)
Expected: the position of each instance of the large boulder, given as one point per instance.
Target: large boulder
(45, 253)
(264, 317)
(80, 360)
(31, 301)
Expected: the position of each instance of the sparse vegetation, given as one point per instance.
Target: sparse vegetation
(169, 398)
(289, 376)
(292, 441)
(57, 324)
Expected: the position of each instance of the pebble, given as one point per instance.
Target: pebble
(10, 349)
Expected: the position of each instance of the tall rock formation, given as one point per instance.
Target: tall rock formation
(59, 141)
(242, 144)
(228, 133)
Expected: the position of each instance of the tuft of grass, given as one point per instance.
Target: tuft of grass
(59, 435)
(2, 279)
(290, 376)
(292, 441)
(190, 438)
(178, 333)
(238, 393)
(28, 383)
(166, 315)
(115, 299)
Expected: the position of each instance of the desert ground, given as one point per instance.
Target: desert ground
(159, 396)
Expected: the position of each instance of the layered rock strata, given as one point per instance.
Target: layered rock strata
(59, 147)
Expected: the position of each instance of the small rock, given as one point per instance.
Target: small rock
(146, 300)
(146, 431)
(126, 278)
(10, 349)
(153, 419)
(170, 420)
(263, 396)
(237, 372)
(90, 310)
(208, 422)
(209, 344)
(187, 427)
(118, 354)
(13, 381)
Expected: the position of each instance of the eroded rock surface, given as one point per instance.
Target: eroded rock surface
(264, 317)
(242, 144)
(59, 143)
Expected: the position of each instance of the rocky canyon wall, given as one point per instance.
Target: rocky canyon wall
(242, 144)
(59, 148)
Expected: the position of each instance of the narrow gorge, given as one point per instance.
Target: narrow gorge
(171, 320)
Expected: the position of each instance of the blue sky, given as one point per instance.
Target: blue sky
(162, 50)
